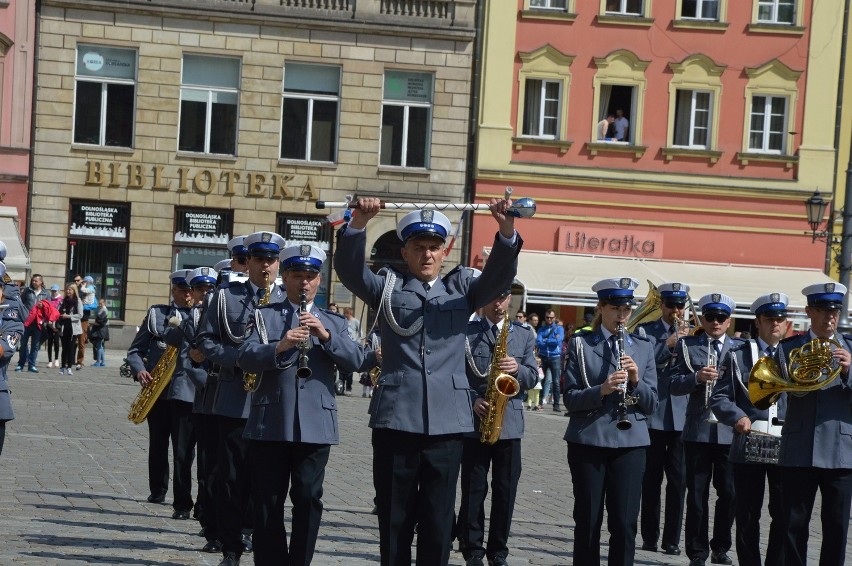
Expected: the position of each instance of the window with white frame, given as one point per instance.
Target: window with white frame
(776, 12)
(541, 108)
(767, 125)
(309, 112)
(209, 95)
(624, 7)
(104, 96)
(406, 119)
(549, 4)
(692, 119)
(700, 9)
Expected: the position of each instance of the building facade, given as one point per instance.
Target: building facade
(17, 52)
(165, 128)
(663, 139)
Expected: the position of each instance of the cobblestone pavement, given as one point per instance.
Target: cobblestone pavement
(73, 484)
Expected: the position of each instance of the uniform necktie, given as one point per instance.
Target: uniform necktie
(717, 347)
(426, 286)
(495, 330)
(770, 351)
(613, 344)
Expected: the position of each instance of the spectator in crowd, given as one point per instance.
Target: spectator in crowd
(70, 315)
(353, 328)
(87, 295)
(549, 344)
(532, 318)
(40, 315)
(588, 318)
(622, 126)
(99, 333)
(332, 307)
(606, 128)
(31, 342)
(51, 332)
(521, 318)
(534, 392)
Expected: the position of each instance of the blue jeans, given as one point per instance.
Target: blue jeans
(98, 350)
(551, 367)
(32, 334)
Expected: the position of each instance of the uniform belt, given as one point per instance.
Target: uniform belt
(766, 428)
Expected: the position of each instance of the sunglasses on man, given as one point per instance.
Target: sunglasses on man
(714, 317)
(241, 259)
(675, 305)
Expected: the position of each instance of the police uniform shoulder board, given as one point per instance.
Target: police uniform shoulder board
(639, 335)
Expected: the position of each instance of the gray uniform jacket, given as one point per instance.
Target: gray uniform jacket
(689, 356)
(730, 401)
(423, 387)
(590, 360)
(197, 373)
(818, 425)
(671, 412)
(223, 330)
(150, 344)
(287, 408)
(520, 345)
(11, 331)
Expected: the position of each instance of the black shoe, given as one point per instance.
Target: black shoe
(671, 550)
(213, 546)
(556, 409)
(696, 562)
(649, 547)
(180, 515)
(246, 540)
(231, 559)
(497, 561)
(720, 558)
(157, 498)
(374, 510)
(474, 561)
(203, 532)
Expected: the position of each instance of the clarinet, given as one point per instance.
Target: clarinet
(623, 422)
(303, 371)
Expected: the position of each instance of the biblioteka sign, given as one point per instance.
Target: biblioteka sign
(610, 241)
(199, 180)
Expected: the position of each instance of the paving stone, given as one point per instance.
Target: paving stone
(74, 482)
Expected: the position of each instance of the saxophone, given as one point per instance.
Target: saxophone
(250, 383)
(161, 375)
(501, 388)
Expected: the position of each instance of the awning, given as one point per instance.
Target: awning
(17, 258)
(567, 279)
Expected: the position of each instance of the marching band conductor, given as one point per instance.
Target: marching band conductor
(610, 389)
(292, 422)
(423, 402)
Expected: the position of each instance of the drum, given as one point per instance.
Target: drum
(762, 448)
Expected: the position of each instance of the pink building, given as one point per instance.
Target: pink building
(17, 53)
(722, 125)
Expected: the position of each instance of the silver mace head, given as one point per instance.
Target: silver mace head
(522, 208)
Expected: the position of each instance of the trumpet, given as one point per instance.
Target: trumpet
(682, 325)
(713, 362)
(303, 370)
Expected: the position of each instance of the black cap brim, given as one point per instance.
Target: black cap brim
(620, 301)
